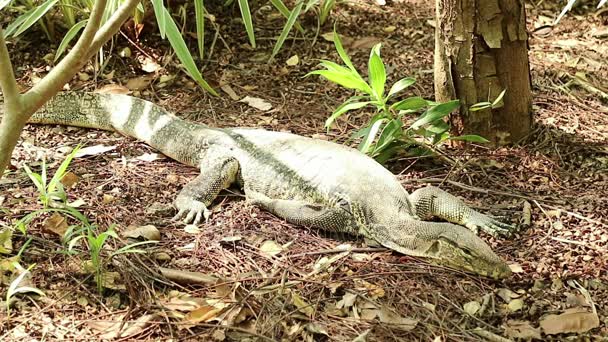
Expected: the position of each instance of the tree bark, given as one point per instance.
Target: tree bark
(480, 50)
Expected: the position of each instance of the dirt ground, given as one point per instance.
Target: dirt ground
(280, 282)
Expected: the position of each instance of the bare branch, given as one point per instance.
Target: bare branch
(112, 26)
(69, 65)
(8, 84)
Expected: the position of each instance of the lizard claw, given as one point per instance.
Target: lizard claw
(191, 211)
(490, 226)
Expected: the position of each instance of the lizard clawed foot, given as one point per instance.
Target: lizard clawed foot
(490, 226)
(191, 211)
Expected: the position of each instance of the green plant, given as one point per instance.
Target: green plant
(497, 103)
(15, 287)
(325, 8)
(96, 243)
(386, 132)
(49, 191)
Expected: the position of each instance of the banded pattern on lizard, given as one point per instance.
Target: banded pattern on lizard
(305, 181)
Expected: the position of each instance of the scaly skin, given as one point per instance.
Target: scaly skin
(305, 181)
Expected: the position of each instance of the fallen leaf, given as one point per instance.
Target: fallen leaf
(515, 305)
(293, 60)
(77, 203)
(112, 280)
(148, 233)
(385, 315)
(257, 103)
(69, 179)
(113, 89)
(362, 336)
(302, 305)
(6, 241)
(471, 307)
(139, 83)
(192, 229)
(118, 329)
(364, 43)
(521, 329)
(270, 248)
(347, 300)
(574, 320)
(56, 224)
(316, 328)
(507, 294)
(149, 157)
(390, 29)
(93, 150)
(148, 64)
(204, 313)
(228, 90)
(516, 268)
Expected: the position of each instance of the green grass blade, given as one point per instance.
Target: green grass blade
(287, 28)
(12, 27)
(280, 6)
(436, 113)
(182, 52)
(68, 38)
(159, 12)
(33, 17)
(246, 14)
(371, 136)
(3, 3)
(342, 52)
(199, 11)
(61, 170)
(377, 72)
(347, 80)
(400, 85)
(343, 109)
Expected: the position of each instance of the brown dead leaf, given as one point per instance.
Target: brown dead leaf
(113, 89)
(386, 315)
(257, 103)
(576, 320)
(148, 233)
(365, 43)
(521, 329)
(56, 224)
(204, 313)
(118, 329)
(139, 83)
(302, 305)
(228, 90)
(69, 179)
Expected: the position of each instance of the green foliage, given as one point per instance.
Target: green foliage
(497, 103)
(386, 132)
(16, 286)
(49, 191)
(96, 243)
(75, 14)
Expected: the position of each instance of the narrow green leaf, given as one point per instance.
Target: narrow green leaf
(280, 6)
(497, 101)
(436, 113)
(438, 127)
(480, 106)
(199, 12)
(246, 15)
(326, 8)
(390, 132)
(371, 136)
(377, 72)
(68, 38)
(343, 109)
(411, 103)
(33, 17)
(471, 138)
(331, 66)
(347, 80)
(36, 179)
(287, 28)
(342, 52)
(159, 13)
(53, 184)
(182, 52)
(400, 85)
(12, 27)
(3, 3)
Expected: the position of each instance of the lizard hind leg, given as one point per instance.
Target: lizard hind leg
(196, 196)
(306, 214)
(434, 202)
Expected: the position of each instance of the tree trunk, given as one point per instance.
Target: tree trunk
(480, 50)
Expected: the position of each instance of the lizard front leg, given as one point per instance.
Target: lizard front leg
(432, 201)
(196, 196)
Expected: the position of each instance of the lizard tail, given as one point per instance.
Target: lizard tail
(127, 115)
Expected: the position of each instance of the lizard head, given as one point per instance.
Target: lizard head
(469, 253)
(443, 243)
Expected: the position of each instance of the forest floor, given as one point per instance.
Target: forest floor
(284, 282)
